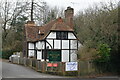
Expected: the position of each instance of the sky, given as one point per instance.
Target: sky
(78, 5)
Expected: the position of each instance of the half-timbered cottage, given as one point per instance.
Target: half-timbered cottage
(54, 41)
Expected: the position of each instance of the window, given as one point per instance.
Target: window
(62, 35)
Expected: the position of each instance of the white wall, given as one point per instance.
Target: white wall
(52, 35)
(65, 44)
(30, 45)
(73, 44)
(73, 55)
(65, 55)
(50, 42)
(31, 53)
(39, 55)
(40, 45)
(57, 44)
(79, 45)
(71, 35)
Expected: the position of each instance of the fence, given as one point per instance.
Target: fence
(84, 67)
(87, 68)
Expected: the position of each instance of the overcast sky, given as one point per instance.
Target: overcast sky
(77, 4)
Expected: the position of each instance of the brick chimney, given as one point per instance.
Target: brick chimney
(69, 12)
(30, 23)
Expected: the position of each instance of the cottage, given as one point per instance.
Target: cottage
(54, 41)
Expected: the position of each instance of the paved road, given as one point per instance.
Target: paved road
(18, 71)
(13, 71)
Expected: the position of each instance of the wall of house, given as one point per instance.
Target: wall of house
(71, 35)
(31, 49)
(73, 44)
(39, 55)
(50, 45)
(68, 47)
(65, 55)
(65, 44)
(73, 55)
(57, 44)
(30, 45)
(31, 53)
(52, 35)
(40, 45)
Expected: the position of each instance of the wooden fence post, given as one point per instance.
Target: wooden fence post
(30, 62)
(63, 69)
(78, 68)
(44, 66)
(36, 65)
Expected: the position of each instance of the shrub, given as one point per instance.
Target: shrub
(102, 58)
(103, 53)
(7, 53)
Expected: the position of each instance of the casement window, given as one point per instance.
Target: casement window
(61, 35)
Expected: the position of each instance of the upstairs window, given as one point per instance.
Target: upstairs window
(61, 35)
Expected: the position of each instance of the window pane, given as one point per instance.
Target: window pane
(58, 35)
(62, 35)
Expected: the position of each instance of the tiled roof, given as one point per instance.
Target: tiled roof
(61, 26)
(34, 33)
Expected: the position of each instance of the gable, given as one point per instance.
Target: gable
(35, 33)
(71, 35)
(53, 35)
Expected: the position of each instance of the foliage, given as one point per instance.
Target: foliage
(15, 36)
(103, 53)
(13, 17)
(102, 58)
(7, 53)
(86, 53)
(97, 25)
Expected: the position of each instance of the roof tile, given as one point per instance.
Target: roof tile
(32, 31)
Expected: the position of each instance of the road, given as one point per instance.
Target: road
(13, 71)
(18, 71)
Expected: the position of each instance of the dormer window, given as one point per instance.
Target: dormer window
(39, 32)
(61, 35)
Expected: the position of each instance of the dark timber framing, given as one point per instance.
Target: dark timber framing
(69, 51)
(45, 50)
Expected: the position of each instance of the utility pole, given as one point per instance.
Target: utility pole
(32, 10)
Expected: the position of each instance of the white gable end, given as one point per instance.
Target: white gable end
(71, 35)
(49, 44)
(52, 35)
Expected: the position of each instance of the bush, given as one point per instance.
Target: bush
(103, 53)
(0, 54)
(102, 58)
(7, 53)
(86, 53)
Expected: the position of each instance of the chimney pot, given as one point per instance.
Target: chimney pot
(69, 12)
(30, 23)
